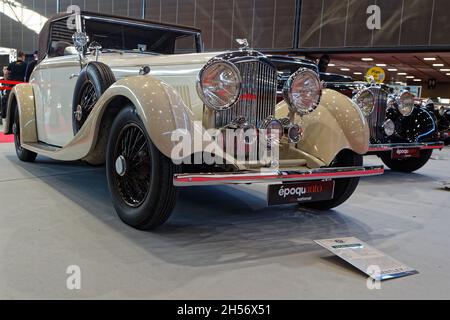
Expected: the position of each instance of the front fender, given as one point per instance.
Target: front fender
(163, 112)
(335, 125)
(419, 126)
(158, 105)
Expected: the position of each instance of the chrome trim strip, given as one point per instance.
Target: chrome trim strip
(391, 146)
(247, 177)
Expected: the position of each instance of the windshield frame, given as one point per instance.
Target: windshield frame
(124, 21)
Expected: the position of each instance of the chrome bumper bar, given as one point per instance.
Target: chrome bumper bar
(247, 177)
(419, 145)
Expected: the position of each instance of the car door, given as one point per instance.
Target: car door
(57, 79)
(54, 81)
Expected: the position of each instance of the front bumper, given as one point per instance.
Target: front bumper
(273, 176)
(373, 148)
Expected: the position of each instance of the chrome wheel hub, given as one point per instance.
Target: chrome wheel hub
(121, 166)
(79, 113)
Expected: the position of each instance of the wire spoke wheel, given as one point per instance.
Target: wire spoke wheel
(87, 100)
(140, 177)
(132, 165)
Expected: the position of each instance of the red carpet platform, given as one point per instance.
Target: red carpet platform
(6, 139)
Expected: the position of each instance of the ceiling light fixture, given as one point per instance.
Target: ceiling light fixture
(402, 73)
(445, 70)
(331, 65)
(417, 80)
(438, 64)
(357, 73)
(392, 69)
(381, 65)
(429, 59)
(347, 69)
(409, 77)
(367, 59)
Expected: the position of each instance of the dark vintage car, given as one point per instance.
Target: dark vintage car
(402, 133)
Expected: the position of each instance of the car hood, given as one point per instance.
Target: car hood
(128, 64)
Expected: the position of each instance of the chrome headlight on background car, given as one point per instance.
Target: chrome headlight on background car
(405, 103)
(365, 101)
(219, 84)
(302, 91)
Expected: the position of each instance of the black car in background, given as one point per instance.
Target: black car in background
(402, 134)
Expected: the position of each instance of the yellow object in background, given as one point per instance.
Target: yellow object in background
(377, 73)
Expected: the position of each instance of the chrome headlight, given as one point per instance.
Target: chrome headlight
(405, 103)
(365, 101)
(219, 84)
(302, 91)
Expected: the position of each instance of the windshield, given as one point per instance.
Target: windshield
(140, 38)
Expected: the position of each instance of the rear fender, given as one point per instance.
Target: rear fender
(22, 98)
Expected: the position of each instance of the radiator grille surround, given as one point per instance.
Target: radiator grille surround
(377, 118)
(258, 93)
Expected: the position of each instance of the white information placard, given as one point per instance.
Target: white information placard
(369, 260)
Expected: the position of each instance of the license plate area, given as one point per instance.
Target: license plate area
(300, 192)
(403, 153)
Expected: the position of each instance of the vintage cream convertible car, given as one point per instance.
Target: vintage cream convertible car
(116, 90)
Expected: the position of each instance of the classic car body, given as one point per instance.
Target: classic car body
(100, 106)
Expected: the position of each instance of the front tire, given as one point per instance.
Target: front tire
(23, 154)
(140, 177)
(343, 188)
(406, 165)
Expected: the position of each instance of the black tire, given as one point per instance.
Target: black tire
(343, 188)
(143, 193)
(23, 154)
(92, 82)
(408, 164)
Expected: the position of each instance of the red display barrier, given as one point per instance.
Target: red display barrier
(3, 82)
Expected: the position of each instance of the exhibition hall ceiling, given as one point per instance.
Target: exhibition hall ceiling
(403, 67)
(267, 24)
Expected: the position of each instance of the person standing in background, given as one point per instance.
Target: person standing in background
(18, 68)
(16, 72)
(2, 95)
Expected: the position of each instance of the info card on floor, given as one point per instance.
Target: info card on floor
(369, 260)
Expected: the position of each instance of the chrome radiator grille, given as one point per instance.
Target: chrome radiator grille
(378, 116)
(258, 95)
